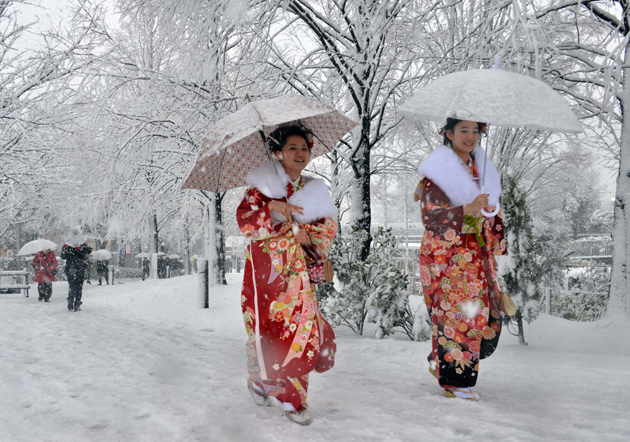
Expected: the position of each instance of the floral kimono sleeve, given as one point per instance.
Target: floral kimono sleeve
(253, 216)
(437, 214)
(322, 233)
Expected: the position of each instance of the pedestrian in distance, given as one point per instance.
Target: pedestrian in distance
(281, 213)
(161, 267)
(75, 251)
(45, 264)
(102, 270)
(146, 268)
(457, 256)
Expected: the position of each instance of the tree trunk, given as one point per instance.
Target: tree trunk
(521, 331)
(220, 239)
(187, 240)
(156, 240)
(210, 240)
(361, 199)
(619, 287)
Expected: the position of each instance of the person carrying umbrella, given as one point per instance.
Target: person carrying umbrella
(75, 251)
(45, 263)
(102, 271)
(146, 268)
(457, 264)
(282, 212)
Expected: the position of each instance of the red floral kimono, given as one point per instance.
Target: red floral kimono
(287, 335)
(460, 285)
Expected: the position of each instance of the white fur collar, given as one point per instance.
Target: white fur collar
(271, 179)
(450, 174)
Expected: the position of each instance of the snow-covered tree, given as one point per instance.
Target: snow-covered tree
(592, 51)
(523, 274)
(36, 91)
(373, 290)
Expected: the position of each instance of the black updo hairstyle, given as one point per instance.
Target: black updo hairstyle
(450, 125)
(278, 138)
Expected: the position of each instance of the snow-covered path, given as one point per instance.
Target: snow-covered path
(142, 363)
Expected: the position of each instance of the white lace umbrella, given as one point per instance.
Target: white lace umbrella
(235, 144)
(174, 256)
(101, 255)
(38, 245)
(143, 255)
(492, 96)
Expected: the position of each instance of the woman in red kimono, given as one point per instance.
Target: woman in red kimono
(45, 263)
(457, 264)
(282, 212)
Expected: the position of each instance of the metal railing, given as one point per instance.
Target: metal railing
(589, 249)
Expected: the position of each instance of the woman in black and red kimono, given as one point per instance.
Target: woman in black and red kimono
(457, 264)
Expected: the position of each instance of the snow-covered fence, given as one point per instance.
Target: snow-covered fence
(575, 305)
(128, 273)
(409, 263)
(13, 274)
(591, 248)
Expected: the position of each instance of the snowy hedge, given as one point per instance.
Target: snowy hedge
(374, 290)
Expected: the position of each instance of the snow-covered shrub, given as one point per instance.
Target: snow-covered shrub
(128, 273)
(586, 295)
(374, 290)
(523, 276)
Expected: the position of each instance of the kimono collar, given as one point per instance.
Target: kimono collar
(272, 181)
(453, 177)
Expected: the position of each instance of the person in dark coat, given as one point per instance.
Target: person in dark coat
(146, 268)
(102, 269)
(45, 263)
(75, 252)
(162, 263)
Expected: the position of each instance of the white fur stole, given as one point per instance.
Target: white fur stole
(314, 197)
(450, 174)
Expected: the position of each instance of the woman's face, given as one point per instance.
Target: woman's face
(295, 156)
(464, 137)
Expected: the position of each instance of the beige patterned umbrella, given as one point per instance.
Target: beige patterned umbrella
(235, 144)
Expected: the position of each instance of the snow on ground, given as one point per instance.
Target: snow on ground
(141, 362)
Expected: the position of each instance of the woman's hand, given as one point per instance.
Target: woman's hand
(302, 237)
(285, 209)
(478, 203)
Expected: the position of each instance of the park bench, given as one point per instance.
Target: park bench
(10, 287)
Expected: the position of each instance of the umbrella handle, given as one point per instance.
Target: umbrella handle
(483, 189)
(488, 215)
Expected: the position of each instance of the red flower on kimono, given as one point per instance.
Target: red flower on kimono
(283, 244)
(277, 316)
(459, 338)
(449, 332)
(439, 259)
(298, 266)
(474, 346)
(482, 321)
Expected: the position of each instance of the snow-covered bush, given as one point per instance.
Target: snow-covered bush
(374, 290)
(586, 296)
(524, 273)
